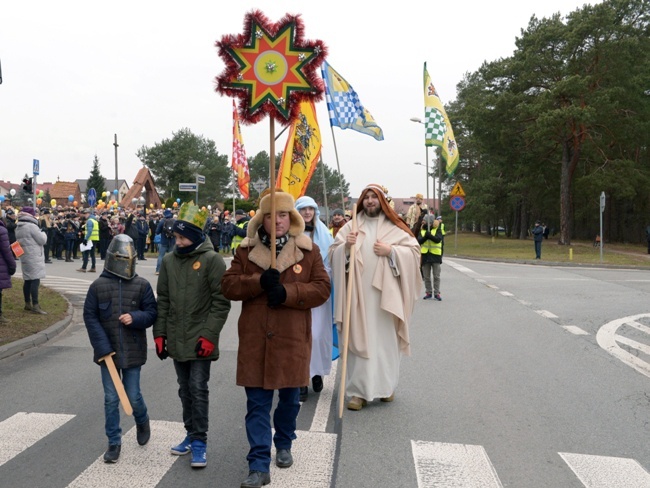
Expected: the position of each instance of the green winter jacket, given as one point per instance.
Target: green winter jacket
(190, 302)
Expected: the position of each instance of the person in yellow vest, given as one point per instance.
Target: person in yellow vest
(91, 236)
(430, 240)
(239, 230)
(442, 231)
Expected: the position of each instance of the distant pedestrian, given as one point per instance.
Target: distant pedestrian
(7, 265)
(430, 240)
(32, 240)
(538, 237)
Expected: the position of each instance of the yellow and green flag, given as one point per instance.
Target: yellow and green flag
(437, 128)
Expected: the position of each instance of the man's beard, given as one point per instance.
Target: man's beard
(373, 212)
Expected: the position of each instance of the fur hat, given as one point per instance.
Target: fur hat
(28, 210)
(419, 195)
(283, 203)
(338, 211)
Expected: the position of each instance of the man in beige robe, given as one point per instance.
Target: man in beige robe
(387, 281)
(415, 210)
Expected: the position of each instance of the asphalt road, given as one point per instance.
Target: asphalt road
(523, 376)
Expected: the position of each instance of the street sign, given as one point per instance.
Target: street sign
(602, 202)
(200, 179)
(188, 187)
(37, 165)
(457, 190)
(92, 197)
(457, 203)
(259, 185)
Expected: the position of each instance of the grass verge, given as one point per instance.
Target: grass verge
(23, 323)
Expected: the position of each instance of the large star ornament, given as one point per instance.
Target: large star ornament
(270, 68)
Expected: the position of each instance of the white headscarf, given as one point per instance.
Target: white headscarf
(322, 236)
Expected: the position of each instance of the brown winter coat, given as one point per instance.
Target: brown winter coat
(275, 343)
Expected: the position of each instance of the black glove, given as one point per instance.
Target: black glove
(12, 271)
(428, 236)
(85, 242)
(270, 278)
(277, 295)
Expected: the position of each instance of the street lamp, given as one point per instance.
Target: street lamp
(426, 148)
(432, 175)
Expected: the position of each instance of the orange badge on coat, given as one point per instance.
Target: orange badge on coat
(196, 265)
(297, 268)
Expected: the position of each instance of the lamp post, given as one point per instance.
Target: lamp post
(432, 175)
(426, 148)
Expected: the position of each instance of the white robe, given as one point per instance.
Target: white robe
(381, 305)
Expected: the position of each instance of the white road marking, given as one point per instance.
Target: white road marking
(506, 294)
(547, 314)
(439, 464)
(607, 339)
(633, 344)
(524, 302)
(638, 326)
(313, 462)
(574, 329)
(494, 287)
(141, 466)
(607, 472)
(459, 267)
(23, 430)
(323, 407)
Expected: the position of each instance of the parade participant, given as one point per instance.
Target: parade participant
(120, 306)
(7, 265)
(274, 327)
(386, 283)
(32, 240)
(338, 221)
(239, 229)
(165, 229)
(321, 317)
(90, 237)
(191, 313)
(430, 240)
(415, 210)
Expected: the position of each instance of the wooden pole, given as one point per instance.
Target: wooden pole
(346, 318)
(272, 185)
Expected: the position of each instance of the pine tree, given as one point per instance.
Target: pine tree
(96, 180)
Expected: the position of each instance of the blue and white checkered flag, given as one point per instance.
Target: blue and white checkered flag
(344, 107)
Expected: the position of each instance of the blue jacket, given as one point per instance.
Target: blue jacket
(108, 297)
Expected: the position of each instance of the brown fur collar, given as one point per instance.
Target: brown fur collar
(290, 254)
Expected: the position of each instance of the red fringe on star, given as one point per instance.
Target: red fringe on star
(231, 41)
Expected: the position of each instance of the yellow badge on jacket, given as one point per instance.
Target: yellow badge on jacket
(196, 265)
(297, 268)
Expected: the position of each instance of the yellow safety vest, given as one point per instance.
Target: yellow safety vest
(236, 240)
(429, 245)
(94, 234)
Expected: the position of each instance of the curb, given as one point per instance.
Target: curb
(39, 338)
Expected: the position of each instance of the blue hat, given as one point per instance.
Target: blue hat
(167, 213)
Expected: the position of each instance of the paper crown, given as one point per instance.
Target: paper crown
(193, 214)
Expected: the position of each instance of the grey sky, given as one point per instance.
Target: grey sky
(77, 72)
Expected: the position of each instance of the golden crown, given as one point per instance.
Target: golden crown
(193, 214)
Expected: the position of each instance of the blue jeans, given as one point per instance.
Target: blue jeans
(131, 380)
(86, 254)
(538, 249)
(193, 377)
(258, 424)
(162, 250)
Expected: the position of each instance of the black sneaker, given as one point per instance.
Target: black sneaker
(317, 383)
(303, 393)
(112, 454)
(143, 432)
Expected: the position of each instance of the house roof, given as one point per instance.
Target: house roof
(61, 189)
(109, 185)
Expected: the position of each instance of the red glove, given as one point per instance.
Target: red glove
(203, 347)
(161, 347)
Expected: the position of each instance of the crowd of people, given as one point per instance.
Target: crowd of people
(293, 292)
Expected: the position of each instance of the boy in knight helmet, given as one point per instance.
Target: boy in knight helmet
(191, 313)
(119, 307)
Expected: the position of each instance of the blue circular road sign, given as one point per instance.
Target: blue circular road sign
(457, 203)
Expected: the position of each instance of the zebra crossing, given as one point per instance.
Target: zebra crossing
(436, 464)
(71, 288)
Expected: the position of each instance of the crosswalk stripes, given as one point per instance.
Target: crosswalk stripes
(23, 430)
(439, 464)
(444, 465)
(436, 464)
(141, 466)
(67, 286)
(606, 472)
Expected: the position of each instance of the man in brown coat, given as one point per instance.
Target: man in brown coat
(274, 327)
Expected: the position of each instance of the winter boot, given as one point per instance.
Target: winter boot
(28, 306)
(37, 309)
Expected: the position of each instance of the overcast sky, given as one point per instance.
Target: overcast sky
(76, 72)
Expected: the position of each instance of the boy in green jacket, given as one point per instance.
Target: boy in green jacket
(191, 313)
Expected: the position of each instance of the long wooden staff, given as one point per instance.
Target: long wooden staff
(272, 188)
(346, 318)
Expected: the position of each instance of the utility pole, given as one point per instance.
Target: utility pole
(116, 187)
